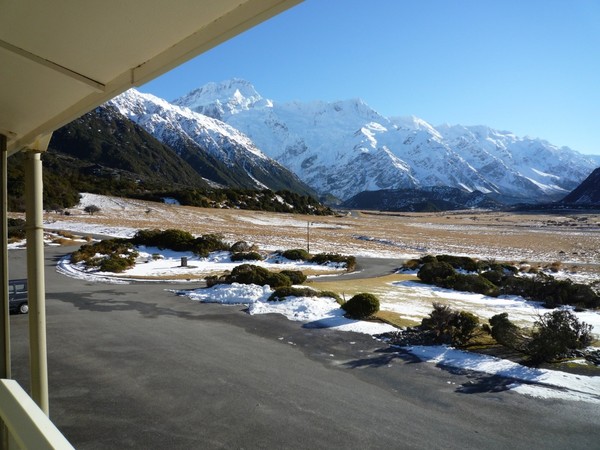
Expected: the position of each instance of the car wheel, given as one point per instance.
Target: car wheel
(24, 308)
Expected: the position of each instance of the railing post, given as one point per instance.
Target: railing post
(36, 282)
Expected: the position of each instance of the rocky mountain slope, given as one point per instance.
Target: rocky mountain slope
(587, 193)
(345, 147)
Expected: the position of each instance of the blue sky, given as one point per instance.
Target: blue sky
(527, 66)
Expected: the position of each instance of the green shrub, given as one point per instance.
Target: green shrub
(282, 292)
(208, 243)
(361, 306)
(506, 333)
(251, 274)
(120, 254)
(325, 258)
(494, 276)
(434, 272)
(470, 283)
(296, 276)
(557, 333)
(296, 254)
(116, 264)
(465, 325)
(459, 262)
(449, 326)
(172, 239)
(246, 256)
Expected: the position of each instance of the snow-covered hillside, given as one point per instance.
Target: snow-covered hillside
(346, 147)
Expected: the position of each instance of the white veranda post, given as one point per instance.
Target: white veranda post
(36, 281)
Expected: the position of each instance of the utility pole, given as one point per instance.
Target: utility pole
(308, 236)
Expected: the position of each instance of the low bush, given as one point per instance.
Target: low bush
(172, 239)
(180, 241)
(117, 263)
(119, 254)
(459, 262)
(449, 326)
(361, 306)
(289, 291)
(556, 334)
(495, 279)
(506, 333)
(246, 256)
(470, 283)
(208, 243)
(296, 254)
(325, 258)
(296, 276)
(435, 272)
(251, 274)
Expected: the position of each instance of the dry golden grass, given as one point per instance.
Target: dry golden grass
(568, 240)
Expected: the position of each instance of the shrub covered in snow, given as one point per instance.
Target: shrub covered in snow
(361, 306)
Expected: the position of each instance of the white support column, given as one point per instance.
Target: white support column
(36, 281)
(4, 311)
(5, 369)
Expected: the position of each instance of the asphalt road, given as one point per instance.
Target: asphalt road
(134, 366)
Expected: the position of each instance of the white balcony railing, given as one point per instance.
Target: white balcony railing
(28, 426)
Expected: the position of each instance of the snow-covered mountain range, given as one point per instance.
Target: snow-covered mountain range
(346, 147)
(219, 152)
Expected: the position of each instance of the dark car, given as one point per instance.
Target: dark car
(17, 296)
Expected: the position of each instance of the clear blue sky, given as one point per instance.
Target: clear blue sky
(527, 66)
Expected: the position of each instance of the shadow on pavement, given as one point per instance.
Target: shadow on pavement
(477, 383)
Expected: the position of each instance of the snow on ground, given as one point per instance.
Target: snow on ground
(540, 383)
(165, 265)
(91, 228)
(320, 312)
(406, 299)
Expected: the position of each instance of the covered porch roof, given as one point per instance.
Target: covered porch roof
(60, 59)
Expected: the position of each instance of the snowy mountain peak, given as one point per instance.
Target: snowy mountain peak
(221, 100)
(414, 123)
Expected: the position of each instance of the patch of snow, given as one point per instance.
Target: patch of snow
(540, 383)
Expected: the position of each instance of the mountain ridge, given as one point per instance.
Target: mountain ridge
(346, 147)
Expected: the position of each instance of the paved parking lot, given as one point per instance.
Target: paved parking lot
(134, 366)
